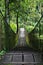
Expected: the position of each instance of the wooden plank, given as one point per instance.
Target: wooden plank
(28, 58)
(22, 62)
(7, 58)
(17, 58)
(37, 57)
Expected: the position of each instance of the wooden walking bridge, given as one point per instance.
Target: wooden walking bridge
(22, 55)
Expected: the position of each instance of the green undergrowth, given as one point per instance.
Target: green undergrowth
(41, 36)
(2, 52)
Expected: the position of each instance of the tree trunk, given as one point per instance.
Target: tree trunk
(6, 22)
(17, 22)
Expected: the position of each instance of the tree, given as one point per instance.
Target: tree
(6, 23)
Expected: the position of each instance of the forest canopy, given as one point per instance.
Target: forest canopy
(28, 11)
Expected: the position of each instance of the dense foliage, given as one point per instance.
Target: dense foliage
(22, 13)
(29, 12)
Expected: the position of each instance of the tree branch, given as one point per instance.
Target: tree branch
(1, 14)
(37, 24)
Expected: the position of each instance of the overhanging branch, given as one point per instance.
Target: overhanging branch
(1, 14)
(37, 23)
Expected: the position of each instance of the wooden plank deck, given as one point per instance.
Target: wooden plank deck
(23, 58)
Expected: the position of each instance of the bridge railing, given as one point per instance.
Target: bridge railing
(36, 35)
